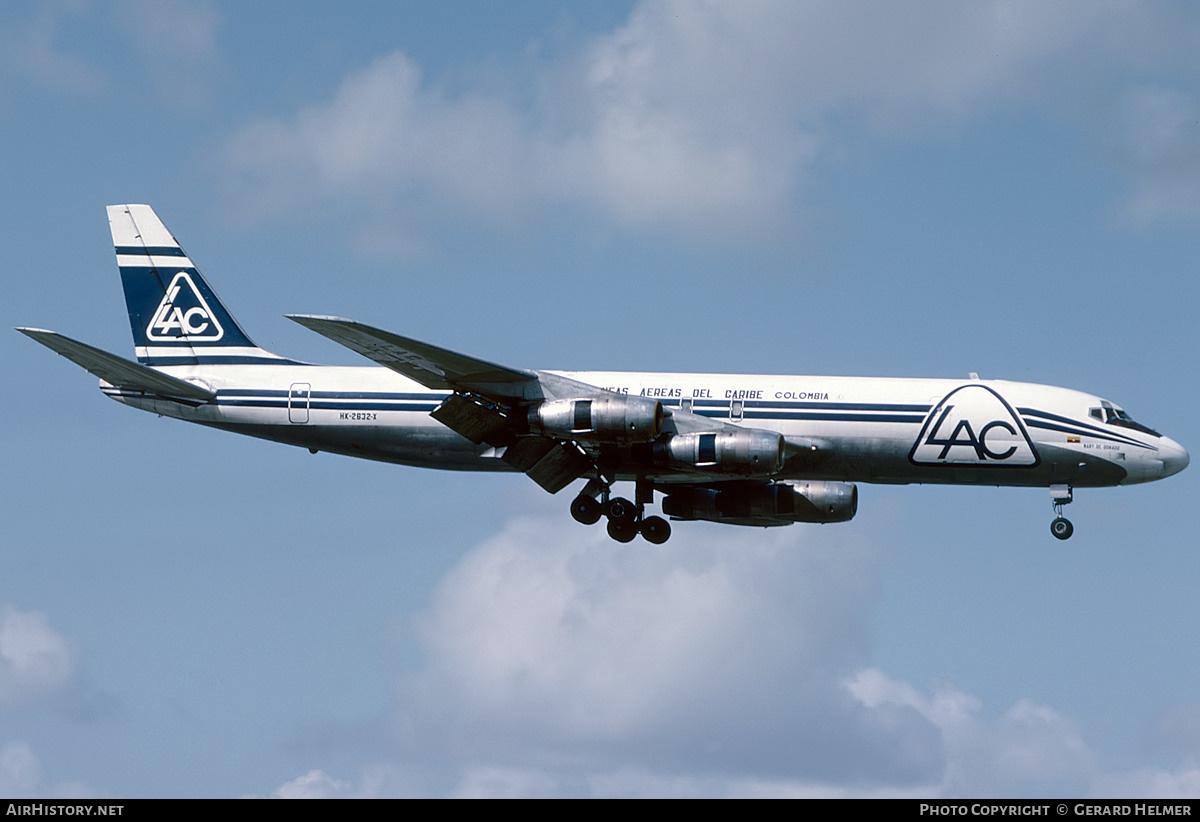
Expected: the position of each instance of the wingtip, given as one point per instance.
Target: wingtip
(313, 321)
(300, 318)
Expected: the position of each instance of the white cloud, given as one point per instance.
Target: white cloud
(381, 135)
(560, 652)
(36, 663)
(1158, 142)
(702, 119)
(20, 771)
(31, 49)
(1182, 783)
(176, 40)
(315, 784)
(728, 663)
(22, 774)
(386, 137)
(1029, 750)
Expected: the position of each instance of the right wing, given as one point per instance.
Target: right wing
(119, 371)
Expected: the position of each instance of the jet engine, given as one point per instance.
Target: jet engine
(621, 420)
(777, 503)
(745, 451)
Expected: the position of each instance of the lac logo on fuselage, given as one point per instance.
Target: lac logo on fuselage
(973, 425)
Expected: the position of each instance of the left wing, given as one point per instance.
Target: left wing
(429, 365)
(489, 402)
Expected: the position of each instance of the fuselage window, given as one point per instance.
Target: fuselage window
(735, 409)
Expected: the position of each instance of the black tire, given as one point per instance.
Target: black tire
(585, 509)
(620, 508)
(1062, 528)
(656, 530)
(622, 530)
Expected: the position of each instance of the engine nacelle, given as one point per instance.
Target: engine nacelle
(747, 451)
(779, 503)
(607, 419)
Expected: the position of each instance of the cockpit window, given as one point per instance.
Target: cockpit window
(1110, 414)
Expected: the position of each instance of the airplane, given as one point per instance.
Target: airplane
(736, 449)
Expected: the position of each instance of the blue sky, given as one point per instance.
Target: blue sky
(804, 187)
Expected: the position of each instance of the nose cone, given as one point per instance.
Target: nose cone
(1173, 455)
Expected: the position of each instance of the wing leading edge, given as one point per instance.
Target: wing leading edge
(430, 365)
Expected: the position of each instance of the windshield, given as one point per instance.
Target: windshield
(1109, 413)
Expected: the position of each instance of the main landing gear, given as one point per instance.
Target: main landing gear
(1061, 527)
(625, 519)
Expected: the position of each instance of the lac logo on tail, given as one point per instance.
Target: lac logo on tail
(183, 312)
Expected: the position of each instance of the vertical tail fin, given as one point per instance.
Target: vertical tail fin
(176, 318)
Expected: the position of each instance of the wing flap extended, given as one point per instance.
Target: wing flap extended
(552, 464)
(477, 422)
(118, 371)
(430, 365)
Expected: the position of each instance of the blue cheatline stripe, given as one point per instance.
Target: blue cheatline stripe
(331, 400)
(215, 359)
(334, 395)
(279, 399)
(330, 406)
(299, 401)
(838, 406)
(435, 396)
(1086, 429)
(385, 400)
(793, 404)
(154, 250)
(806, 415)
(914, 419)
(1081, 432)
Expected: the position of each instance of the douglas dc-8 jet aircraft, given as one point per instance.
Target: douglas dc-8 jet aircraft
(743, 450)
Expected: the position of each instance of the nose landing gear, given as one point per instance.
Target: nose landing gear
(1061, 527)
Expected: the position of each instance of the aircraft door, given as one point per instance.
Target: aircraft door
(298, 398)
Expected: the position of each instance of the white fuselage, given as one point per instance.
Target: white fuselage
(991, 432)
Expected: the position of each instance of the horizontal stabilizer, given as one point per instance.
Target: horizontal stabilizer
(119, 371)
(429, 365)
